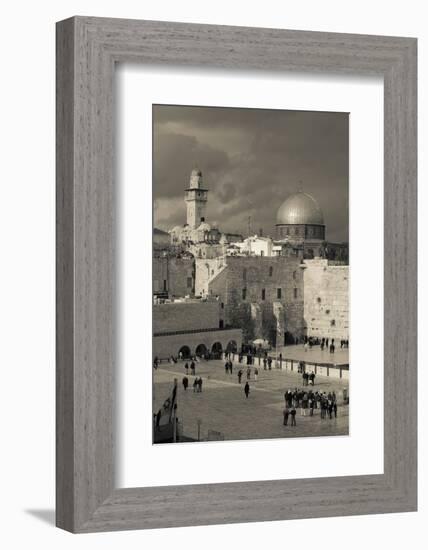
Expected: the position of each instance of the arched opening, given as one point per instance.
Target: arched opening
(232, 347)
(184, 351)
(216, 350)
(289, 339)
(201, 350)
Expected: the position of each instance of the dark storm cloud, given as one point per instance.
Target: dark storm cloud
(251, 161)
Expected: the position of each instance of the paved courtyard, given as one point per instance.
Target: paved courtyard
(315, 354)
(223, 407)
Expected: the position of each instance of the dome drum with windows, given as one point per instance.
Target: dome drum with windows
(300, 217)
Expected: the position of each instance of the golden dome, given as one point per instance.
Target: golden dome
(300, 209)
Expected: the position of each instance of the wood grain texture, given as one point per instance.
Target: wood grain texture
(87, 50)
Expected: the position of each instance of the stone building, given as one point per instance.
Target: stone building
(300, 230)
(173, 276)
(197, 236)
(261, 295)
(326, 299)
(255, 245)
(192, 327)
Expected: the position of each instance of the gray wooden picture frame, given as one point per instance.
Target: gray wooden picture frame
(87, 50)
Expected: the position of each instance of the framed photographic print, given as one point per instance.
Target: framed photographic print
(236, 274)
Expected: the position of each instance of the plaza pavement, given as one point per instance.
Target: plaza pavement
(315, 354)
(222, 405)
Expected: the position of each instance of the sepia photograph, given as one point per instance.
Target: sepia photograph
(250, 274)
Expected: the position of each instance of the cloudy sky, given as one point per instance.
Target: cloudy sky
(251, 161)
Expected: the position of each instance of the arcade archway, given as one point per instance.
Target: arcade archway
(201, 350)
(217, 350)
(184, 352)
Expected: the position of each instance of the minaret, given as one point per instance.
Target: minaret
(196, 200)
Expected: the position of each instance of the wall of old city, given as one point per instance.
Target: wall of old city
(326, 300)
(166, 345)
(248, 287)
(182, 316)
(174, 275)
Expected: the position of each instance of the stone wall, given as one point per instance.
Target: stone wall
(174, 275)
(248, 280)
(182, 316)
(205, 271)
(326, 301)
(166, 345)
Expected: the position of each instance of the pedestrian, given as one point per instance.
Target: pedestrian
(158, 417)
(200, 384)
(185, 382)
(226, 367)
(312, 377)
(195, 385)
(230, 367)
(186, 368)
(335, 409)
(192, 367)
(270, 363)
(264, 363)
(256, 374)
(305, 399)
(293, 416)
(239, 375)
(311, 406)
(247, 389)
(306, 349)
(248, 373)
(286, 413)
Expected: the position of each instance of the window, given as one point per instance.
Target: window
(164, 285)
(295, 293)
(189, 282)
(244, 293)
(296, 230)
(222, 305)
(319, 300)
(270, 271)
(333, 323)
(288, 230)
(263, 294)
(294, 275)
(262, 253)
(278, 293)
(221, 324)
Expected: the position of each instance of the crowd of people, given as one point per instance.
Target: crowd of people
(327, 343)
(307, 400)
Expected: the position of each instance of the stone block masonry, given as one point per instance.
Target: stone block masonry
(326, 300)
(185, 316)
(248, 287)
